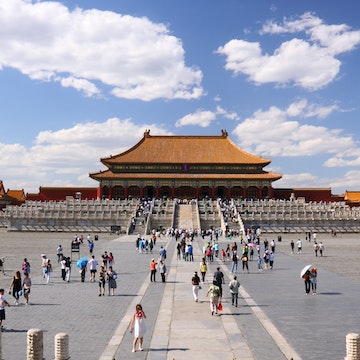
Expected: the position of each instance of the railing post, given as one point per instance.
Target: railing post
(35, 346)
(352, 346)
(61, 346)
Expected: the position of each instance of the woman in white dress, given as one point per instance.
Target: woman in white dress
(137, 324)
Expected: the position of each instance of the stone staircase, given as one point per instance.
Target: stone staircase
(184, 216)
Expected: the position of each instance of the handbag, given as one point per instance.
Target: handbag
(220, 307)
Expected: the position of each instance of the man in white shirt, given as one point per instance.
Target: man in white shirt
(93, 263)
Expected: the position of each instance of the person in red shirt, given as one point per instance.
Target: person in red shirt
(153, 265)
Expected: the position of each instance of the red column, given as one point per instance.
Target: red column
(244, 192)
(173, 192)
(126, 192)
(110, 193)
(271, 192)
(98, 192)
(228, 193)
(260, 192)
(157, 192)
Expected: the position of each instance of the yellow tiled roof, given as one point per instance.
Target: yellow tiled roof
(352, 196)
(185, 150)
(16, 194)
(107, 174)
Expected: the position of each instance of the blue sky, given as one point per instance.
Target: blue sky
(82, 80)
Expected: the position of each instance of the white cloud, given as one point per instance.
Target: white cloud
(338, 185)
(309, 63)
(349, 157)
(226, 114)
(80, 84)
(200, 117)
(133, 57)
(275, 133)
(305, 110)
(336, 39)
(66, 157)
(204, 118)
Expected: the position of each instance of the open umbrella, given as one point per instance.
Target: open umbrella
(82, 262)
(305, 269)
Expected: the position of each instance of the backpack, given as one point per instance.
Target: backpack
(67, 263)
(216, 290)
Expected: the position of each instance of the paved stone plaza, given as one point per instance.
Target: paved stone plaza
(275, 319)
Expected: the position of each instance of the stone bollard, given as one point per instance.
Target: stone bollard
(35, 346)
(352, 347)
(62, 346)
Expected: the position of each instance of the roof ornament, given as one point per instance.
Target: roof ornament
(224, 133)
(147, 133)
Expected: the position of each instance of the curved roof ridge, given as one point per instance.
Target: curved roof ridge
(190, 149)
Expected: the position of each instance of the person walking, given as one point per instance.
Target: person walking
(260, 263)
(67, 269)
(271, 260)
(137, 325)
(234, 265)
(299, 246)
(25, 266)
(219, 278)
(162, 253)
(162, 268)
(321, 248)
(93, 263)
(153, 265)
(203, 269)
(26, 284)
(59, 251)
(111, 277)
(63, 267)
(102, 278)
(313, 280)
(3, 303)
(15, 287)
(307, 281)
(48, 271)
(234, 290)
(215, 293)
(2, 265)
(245, 264)
(195, 281)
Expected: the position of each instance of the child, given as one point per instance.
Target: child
(3, 303)
(137, 323)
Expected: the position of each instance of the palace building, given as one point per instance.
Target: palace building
(185, 167)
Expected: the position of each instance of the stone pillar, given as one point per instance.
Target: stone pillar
(35, 346)
(61, 346)
(352, 347)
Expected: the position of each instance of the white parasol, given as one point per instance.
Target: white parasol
(305, 269)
